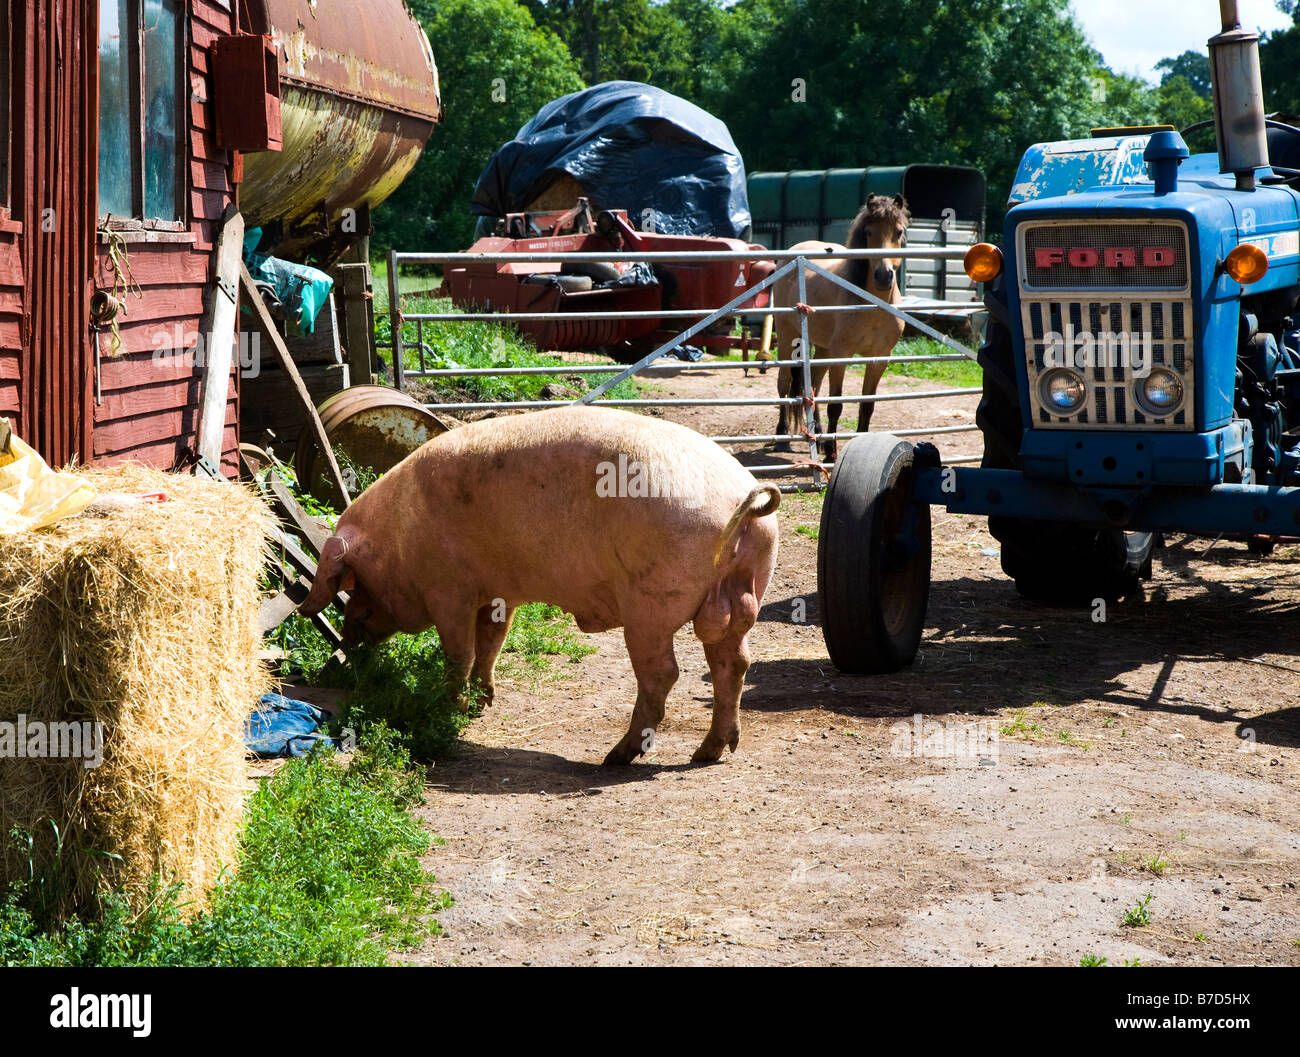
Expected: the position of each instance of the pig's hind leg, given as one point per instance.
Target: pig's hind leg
(493, 625)
(655, 665)
(723, 624)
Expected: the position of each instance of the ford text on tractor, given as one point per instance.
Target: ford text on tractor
(1141, 375)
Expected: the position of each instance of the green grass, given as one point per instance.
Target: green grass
(478, 345)
(1019, 726)
(963, 374)
(406, 282)
(1138, 916)
(329, 874)
(404, 681)
(811, 531)
(540, 634)
(1157, 865)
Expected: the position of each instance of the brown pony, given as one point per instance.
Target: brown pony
(880, 224)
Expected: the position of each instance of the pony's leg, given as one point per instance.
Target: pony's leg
(875, 371)
(819, 373)
(833, 412)
(788, 382)
(784, 382)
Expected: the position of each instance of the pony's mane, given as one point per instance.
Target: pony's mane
(876, 208)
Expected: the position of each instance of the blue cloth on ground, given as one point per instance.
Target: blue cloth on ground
(283, 727)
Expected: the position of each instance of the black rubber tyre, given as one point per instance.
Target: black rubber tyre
(873, 558)
(1050, 561)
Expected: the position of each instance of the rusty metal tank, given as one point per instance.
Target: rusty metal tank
(358, 102)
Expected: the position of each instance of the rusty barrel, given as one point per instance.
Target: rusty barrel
(371, 428)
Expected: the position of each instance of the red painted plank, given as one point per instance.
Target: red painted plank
(199, 115)
(211, 175)
(11, 333)
(142, 368)
(10, 394)
(11, 270)
(165, 454)
(203, 36)
(159, 264)
(145, 430)
(212, 16)
(208, 205)
(163, 302)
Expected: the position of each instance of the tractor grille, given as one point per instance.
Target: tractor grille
(1133, 334)
(1110, 299)
(1103, 255)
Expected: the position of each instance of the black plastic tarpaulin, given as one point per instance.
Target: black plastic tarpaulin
(631, 146)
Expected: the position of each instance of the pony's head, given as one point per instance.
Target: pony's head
(881, 224)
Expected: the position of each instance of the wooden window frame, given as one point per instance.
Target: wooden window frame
(110, 221)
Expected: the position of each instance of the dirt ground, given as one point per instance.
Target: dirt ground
(1005, 800)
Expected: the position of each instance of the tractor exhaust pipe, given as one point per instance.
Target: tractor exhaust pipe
(1238, 99)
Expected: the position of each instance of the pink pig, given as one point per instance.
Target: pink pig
(623, 520)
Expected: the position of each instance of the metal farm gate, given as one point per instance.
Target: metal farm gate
(410, 357)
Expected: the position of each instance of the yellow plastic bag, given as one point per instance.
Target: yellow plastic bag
(32, 495)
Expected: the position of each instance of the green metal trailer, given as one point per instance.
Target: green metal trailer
(947, 204)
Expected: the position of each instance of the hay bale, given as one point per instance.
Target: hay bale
(143, 621)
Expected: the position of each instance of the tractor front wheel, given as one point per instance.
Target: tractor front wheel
(873, 558)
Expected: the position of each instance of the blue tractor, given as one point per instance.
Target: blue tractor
(1141, 375)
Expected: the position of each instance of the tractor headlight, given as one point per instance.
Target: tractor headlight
(1160, 392)
(1063, 390)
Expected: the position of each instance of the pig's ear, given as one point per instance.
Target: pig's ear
(330, 576)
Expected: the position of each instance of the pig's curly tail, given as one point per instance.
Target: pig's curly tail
(745, 511)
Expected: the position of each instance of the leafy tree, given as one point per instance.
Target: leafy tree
(1119, 99)
(1180, 104)
(823, 84)
(1279, 60)
(1193, 67)
(496, 69)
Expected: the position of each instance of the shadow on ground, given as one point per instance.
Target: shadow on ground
(986, 648)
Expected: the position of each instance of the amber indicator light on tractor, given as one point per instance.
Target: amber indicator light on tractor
(983, 262)
(1246, 264)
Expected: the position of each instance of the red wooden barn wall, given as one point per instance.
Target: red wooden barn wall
(45, 237)
(149, 409)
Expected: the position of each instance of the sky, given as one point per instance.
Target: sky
(1133, 35)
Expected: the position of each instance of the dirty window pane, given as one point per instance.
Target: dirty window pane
(162, 37)
(118, 137)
